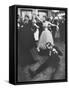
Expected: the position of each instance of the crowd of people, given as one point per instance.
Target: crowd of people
(41, 34)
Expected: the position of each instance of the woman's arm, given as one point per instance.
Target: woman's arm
(36, 26)
(54, 25)
(38, 18)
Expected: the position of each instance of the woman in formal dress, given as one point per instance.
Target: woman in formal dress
(46, 35)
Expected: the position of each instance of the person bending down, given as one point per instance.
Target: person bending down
(53, 59)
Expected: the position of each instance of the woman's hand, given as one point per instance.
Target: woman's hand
(36, 26)
(38, 49)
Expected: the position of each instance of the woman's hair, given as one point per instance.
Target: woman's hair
(45, 17)
(27, 16)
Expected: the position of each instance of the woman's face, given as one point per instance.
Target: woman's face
(34, 21)
(44, 18)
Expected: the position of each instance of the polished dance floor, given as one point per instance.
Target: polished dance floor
(24, 75)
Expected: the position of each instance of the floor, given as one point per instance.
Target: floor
(24, 75)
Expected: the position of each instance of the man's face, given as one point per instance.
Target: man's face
(49, 46)
(26, 19)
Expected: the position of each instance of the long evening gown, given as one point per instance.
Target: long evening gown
(46, 36)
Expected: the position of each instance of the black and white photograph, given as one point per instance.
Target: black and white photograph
(41, 44)
(37, 44)
(34, 51)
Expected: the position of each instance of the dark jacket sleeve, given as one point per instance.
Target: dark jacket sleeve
(59, 52)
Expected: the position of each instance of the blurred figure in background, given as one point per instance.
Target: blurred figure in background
(62, 29)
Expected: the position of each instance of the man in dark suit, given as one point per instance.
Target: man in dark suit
(25, 43)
